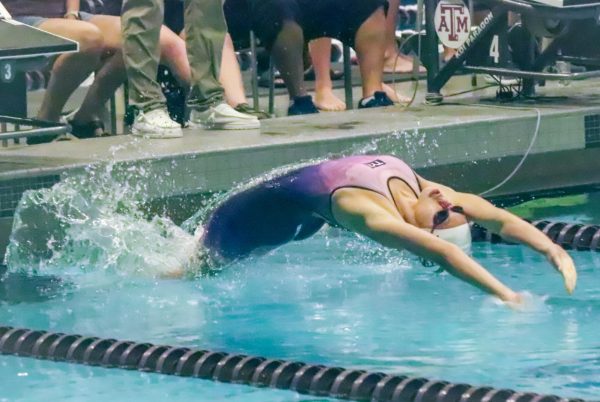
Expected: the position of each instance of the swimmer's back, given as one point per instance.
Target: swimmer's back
(295, 205)
(314, 185)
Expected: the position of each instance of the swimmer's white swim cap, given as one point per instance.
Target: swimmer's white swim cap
(459, 235)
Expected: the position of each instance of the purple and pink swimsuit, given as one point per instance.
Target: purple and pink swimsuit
(295, 205)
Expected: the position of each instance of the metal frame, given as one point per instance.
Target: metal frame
(438, 77)
(38, 128)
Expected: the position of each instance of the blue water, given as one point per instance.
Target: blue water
(334, 299)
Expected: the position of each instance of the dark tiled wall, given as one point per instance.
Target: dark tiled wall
(12, 190)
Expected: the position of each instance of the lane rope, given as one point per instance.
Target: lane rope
(313, 379)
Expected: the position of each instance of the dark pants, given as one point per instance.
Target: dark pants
(338, 19)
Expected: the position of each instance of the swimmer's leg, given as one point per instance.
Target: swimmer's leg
(191, 258)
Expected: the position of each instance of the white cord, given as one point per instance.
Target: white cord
(527, 152)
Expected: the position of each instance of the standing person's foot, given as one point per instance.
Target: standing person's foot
(247, 109)
(325, 100)
(379, 99)
(223, 117)
(400, 64)
(393, 95)
(302, 105)
(155, 124)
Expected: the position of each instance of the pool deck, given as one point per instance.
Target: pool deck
(468, 142)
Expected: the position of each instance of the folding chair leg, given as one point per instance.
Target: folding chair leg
(254, 69)
(113, 115)
(348, 78)
(271, 87)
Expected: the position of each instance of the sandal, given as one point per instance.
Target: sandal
(90, 129)
(247, 109)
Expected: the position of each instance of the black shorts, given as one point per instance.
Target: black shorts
(338, 19)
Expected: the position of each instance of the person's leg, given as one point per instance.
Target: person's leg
(287, 54)
(231, 75)
(205, 31)
(173, 54)
(71, 69)
(141, 25)
(277, 24)
(369, 45)
(110, 75)
(231, 80)
(394, 60)
(320, 52)
(370, 49)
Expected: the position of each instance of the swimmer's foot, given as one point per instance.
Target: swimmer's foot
(379, 99)
(302, 105)
(326, 101)
(400, 64)
(395, 96)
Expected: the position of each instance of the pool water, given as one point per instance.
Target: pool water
(334, 299)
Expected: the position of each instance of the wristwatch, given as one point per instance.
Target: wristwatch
(74, 14)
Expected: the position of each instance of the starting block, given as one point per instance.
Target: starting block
(515, 51)
(23, 48)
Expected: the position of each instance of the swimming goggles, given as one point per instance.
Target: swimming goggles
(442, 216)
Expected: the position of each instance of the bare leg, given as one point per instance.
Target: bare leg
(393, 95)
(369, 45)
(287, 53)
(173, 54)
(70, 70)
(394, 60)
(112, 73)
(320, 52)
(231, 75)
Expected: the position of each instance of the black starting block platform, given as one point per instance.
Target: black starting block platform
(24, 48)
(545, 31)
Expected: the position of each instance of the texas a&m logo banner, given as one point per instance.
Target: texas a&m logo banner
(452, 23)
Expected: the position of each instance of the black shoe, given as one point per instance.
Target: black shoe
(379, 99)
(175, 95)
(91, 129)
(130, 114)
(302, 105)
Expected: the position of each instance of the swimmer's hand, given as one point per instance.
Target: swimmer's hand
(564, 264)
(514, 300)
(527, 302)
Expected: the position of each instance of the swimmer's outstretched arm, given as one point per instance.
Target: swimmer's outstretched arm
(357, 211)
(515, 229)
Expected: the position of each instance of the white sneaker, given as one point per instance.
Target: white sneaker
(156, 124)
(223, 117)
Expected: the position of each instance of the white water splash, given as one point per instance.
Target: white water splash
(95, 221)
